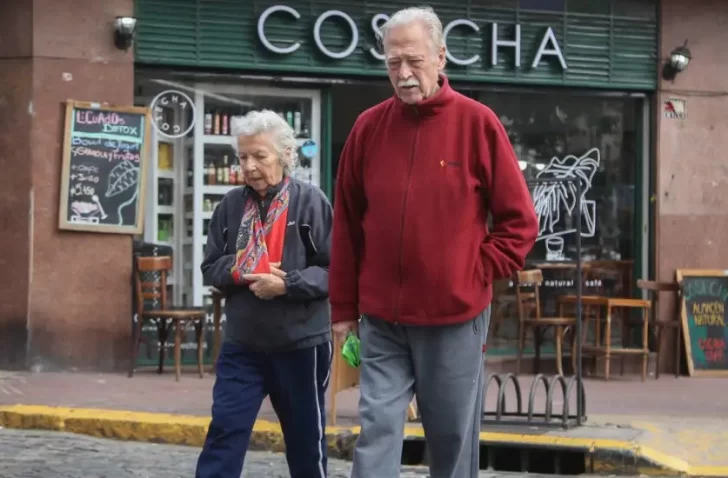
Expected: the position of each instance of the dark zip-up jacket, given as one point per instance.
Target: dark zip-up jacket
(299, 319)
(414, 189)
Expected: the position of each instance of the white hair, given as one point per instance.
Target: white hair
(426, 16)
(268, 122)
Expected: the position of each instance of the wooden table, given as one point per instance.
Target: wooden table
(605, 349)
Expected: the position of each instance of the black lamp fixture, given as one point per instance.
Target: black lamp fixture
(124, 29)
(679, 59)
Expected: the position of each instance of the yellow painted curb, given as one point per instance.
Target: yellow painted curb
(191, 430)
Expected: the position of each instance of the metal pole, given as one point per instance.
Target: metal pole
(579, 280)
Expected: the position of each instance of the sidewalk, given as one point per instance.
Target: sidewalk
(671, 425)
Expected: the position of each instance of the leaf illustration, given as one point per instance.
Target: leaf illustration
(123, 177)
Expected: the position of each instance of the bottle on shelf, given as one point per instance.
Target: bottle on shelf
(297, 123)
(305, 132)
(211, 173)
(216, 123)
(225, 124)
(289, 116)
(208, 122)
(220, 174)
(225, 170)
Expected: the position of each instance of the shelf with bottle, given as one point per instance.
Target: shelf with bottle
(218, 119)
(165, 158)
(165, 196)
(165, 231)
(221, 169)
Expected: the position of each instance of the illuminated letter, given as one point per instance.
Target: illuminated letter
(378, 18)
(555, 51)
(317, 34)
(495, 43)
(261, 29)
(446, 32)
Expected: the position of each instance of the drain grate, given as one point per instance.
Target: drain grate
(530, 459)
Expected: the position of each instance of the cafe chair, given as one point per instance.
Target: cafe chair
(660, 325)
(163, 314)
(529, 317)
(503, 302)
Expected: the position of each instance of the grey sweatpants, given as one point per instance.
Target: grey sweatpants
(443, 367)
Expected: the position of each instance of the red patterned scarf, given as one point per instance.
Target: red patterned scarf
(260, 245)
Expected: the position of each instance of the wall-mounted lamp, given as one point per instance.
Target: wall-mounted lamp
(679, 59)
(124, 29)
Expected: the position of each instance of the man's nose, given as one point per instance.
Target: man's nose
(404, 72)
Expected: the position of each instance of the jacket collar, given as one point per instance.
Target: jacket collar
(272, 190)
(429, 106)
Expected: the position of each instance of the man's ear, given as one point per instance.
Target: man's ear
(441, 59)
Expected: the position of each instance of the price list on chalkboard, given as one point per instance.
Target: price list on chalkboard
(104, 167)
(704, 301)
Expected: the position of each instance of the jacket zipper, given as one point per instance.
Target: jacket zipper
(404, 216)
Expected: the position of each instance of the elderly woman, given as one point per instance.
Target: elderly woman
(268, 251)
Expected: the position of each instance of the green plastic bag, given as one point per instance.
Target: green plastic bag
(350, 350)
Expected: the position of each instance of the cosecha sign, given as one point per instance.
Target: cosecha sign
(549, 46)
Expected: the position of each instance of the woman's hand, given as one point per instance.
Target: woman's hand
(267, 286)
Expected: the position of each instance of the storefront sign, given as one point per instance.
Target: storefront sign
(549, 46)
(173, 113)
(674, 108)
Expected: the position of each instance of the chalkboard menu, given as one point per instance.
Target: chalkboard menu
(104, 168)
(704, 302)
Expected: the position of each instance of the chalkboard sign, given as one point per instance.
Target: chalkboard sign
(704, 303)
(104, 168)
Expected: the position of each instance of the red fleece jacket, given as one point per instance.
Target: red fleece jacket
(414, 189)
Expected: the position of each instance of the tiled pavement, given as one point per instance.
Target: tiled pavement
(147, 391)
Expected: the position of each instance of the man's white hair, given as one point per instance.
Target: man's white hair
(425, 15)
(268, 122)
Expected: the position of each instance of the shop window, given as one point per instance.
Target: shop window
(193, 163)
(591, 139)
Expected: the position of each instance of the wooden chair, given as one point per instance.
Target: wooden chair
(503, 300)
(654, 288)
(529, 316)
(156, 290)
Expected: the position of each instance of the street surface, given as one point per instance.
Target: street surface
(39, 454)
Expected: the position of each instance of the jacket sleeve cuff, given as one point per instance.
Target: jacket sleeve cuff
(292, 280)
(344, 313)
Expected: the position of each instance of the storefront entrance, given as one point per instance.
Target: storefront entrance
(570, 80)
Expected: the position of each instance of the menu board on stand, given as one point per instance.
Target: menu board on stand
(104, 168)
(705, 324)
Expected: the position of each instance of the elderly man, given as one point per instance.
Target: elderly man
(412, 254)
